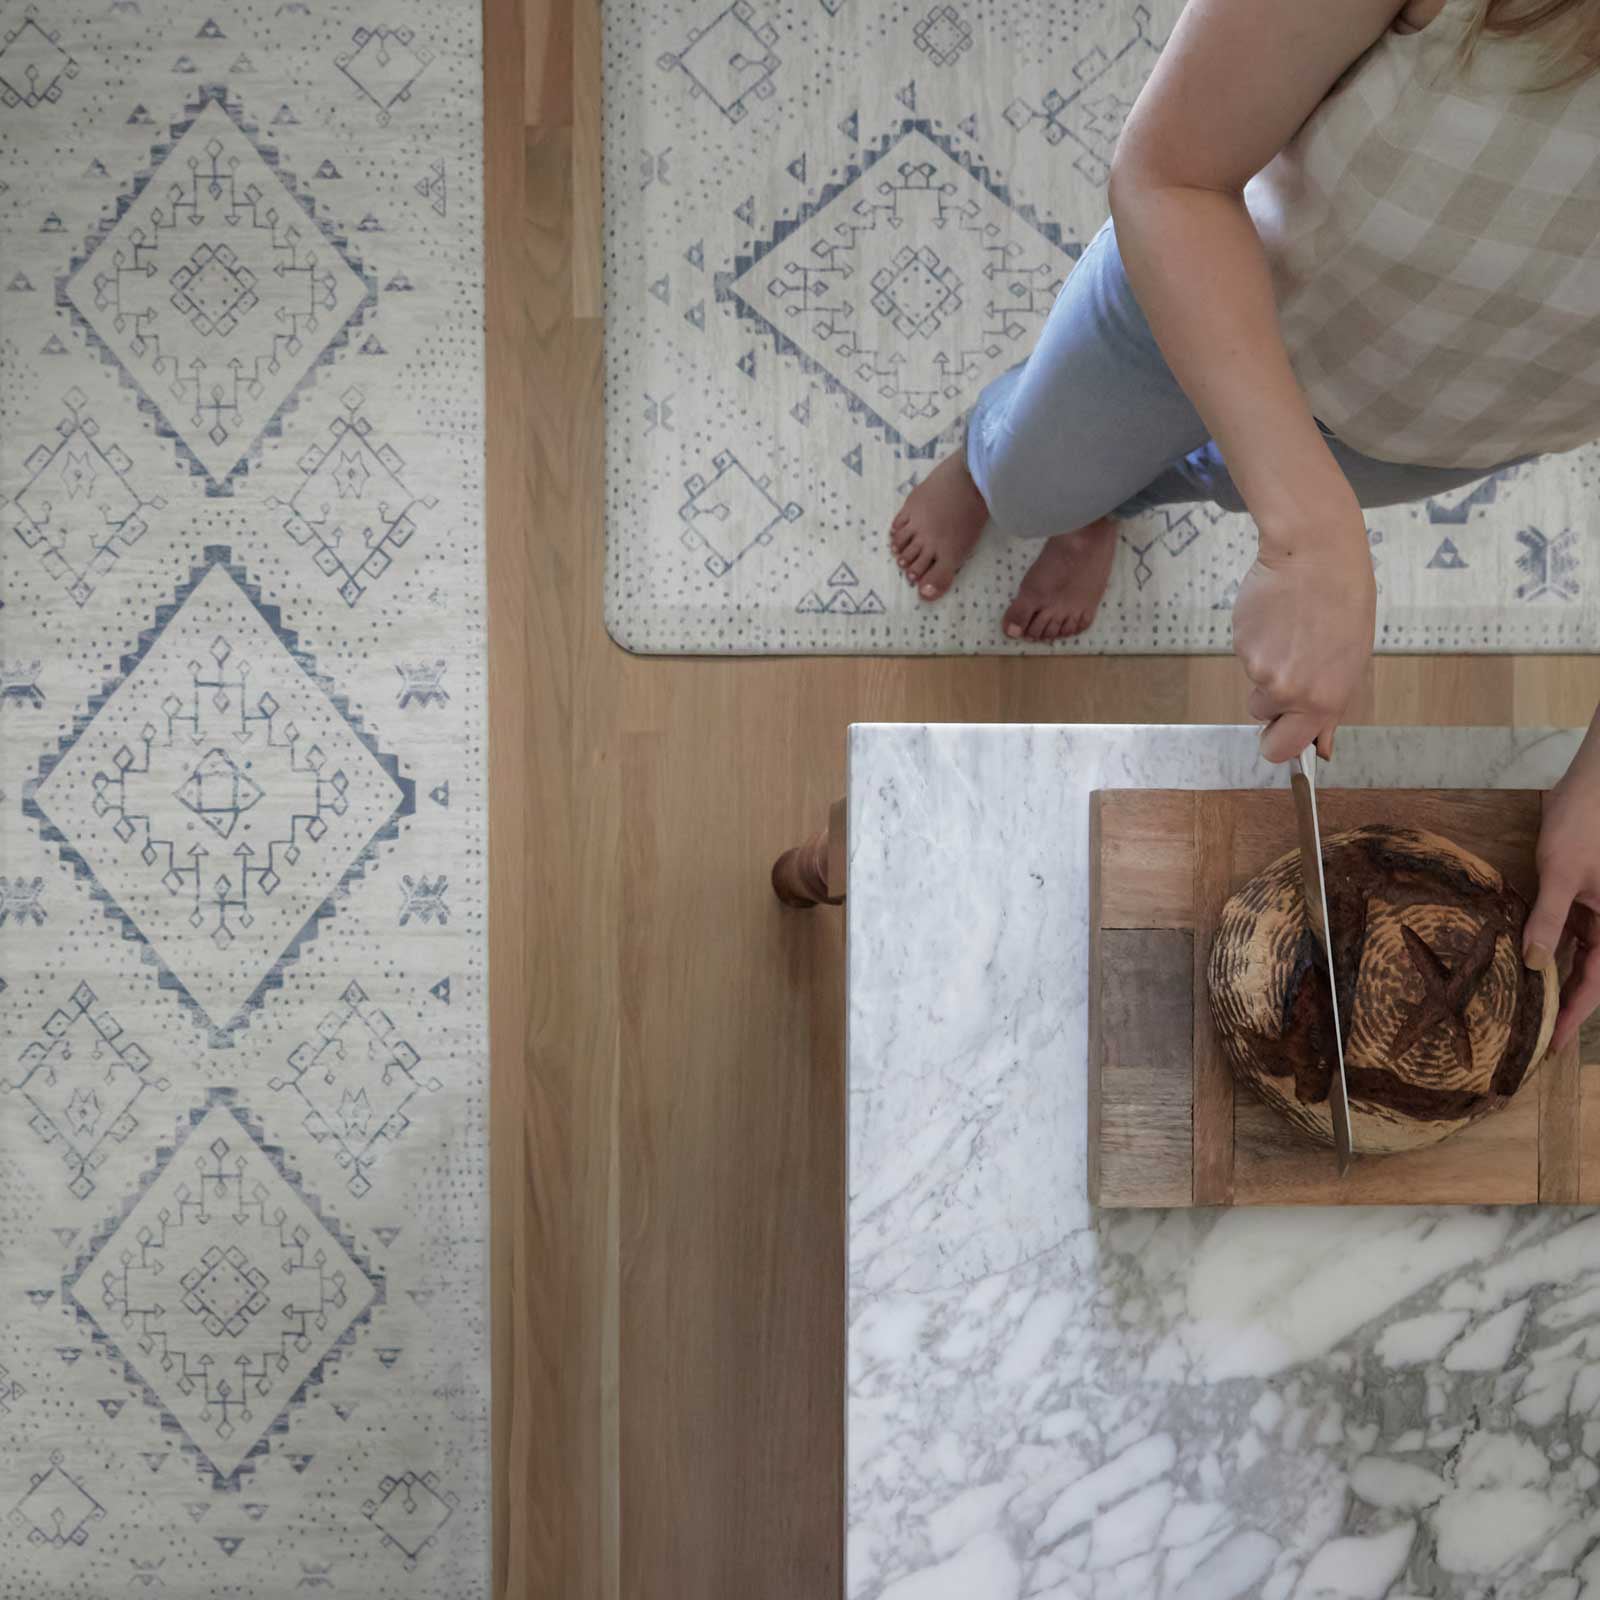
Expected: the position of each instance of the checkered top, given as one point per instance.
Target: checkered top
(1434, 241)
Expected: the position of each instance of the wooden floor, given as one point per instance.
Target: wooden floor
(667, 1122)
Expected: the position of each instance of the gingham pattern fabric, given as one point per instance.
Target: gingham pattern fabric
(1433, 241)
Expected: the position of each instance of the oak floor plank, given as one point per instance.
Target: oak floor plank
(1555, 691)
(526, 1278)
(545, 52)
(588, 220)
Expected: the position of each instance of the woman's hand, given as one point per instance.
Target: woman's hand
(1569, 893)
(1302, 627)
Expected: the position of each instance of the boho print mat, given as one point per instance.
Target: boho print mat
(828, 224)
(243, 1221)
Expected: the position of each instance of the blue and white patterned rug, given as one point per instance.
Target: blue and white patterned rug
(828, 224)
(243, 1053)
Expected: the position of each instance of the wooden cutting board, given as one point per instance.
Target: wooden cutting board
(1165, 1126)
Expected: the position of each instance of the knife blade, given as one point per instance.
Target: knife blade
(1313, 884)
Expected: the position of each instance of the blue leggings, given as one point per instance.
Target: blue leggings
(1094, 424)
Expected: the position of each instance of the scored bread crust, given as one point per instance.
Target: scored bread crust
(1442, 1021)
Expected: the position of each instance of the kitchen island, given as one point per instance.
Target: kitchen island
(1048, 1402)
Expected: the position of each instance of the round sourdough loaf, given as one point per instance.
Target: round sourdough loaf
(1442, 1021)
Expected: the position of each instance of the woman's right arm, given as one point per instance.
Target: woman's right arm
(1234, 82)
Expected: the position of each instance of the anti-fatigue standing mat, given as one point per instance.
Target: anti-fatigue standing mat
(243, 1220)
(829, 223)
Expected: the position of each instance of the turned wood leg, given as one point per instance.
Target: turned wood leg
(813, 872)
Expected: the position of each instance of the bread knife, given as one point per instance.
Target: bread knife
(1313, 884)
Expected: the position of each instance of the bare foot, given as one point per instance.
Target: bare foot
(938, 526)
(1062, 590)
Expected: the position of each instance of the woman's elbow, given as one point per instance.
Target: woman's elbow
(1122, 183)
(1136, 176)
(1131, 174)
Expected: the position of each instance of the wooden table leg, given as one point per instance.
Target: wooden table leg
(814, 872)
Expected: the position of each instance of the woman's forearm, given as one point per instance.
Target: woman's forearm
(1197, 266)
(1236, 79)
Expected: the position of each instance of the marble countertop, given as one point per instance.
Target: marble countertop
(1048, 1403)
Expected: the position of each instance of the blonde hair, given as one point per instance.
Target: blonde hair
(1569, 30)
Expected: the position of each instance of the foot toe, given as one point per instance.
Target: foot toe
(1035, 627)
(1015, 621)
(936, 527)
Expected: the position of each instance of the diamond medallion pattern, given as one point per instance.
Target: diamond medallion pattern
(221, 1291)
(907, 285)
(219, 796)
(216, 290)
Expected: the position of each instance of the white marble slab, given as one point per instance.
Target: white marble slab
(1046, 1404)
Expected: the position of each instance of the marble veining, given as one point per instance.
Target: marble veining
(1047, 1404)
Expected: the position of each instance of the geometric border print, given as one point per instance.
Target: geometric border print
(410, 1510)
(730, 61)
(82, 1097)
(38, 66)
(384, 66)
(228, 345)
(79, 509)
(353, 512)
(65, 1507)
(237, 893)
(357, 1044)
(731, 513)
(301, 1314)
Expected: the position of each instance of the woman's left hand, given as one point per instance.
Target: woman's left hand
(1569, 895)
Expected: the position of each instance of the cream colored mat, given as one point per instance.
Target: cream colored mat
(827, 227)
